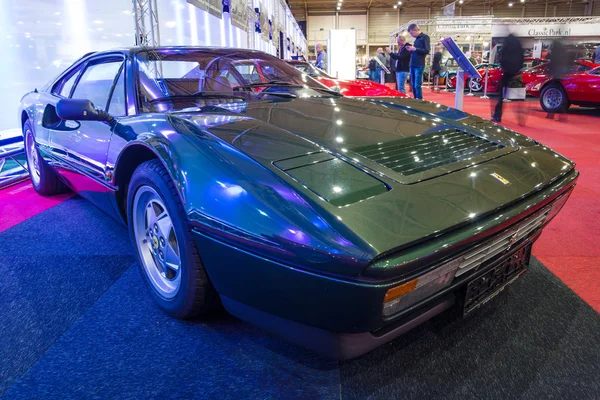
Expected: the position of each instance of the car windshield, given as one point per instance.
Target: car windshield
(176, 79)
(311, 70)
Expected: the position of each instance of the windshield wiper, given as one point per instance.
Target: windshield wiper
(329, 91)
(193, 95)
(280, 94)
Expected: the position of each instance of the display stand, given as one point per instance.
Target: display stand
(460, 88)
(384, 70)
(485, 82)
(468, 69)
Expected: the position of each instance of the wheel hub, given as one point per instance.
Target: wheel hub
(32, 157)
(552, 98)
(156, 242)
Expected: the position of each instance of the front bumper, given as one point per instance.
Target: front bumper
(343, 346)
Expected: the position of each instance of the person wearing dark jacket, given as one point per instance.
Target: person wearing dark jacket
(436, 67)
(401, 62)
(419, 51)
(511, 62)
(558, 67)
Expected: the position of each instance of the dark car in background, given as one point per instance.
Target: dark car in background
(339, 223)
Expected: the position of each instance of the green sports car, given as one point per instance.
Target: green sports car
(337, 222)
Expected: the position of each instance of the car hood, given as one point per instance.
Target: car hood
(391, 170)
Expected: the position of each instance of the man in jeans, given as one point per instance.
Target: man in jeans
(419, 51)
(401, 60)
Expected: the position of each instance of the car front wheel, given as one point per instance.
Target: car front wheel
(168, 259)
(553, 99)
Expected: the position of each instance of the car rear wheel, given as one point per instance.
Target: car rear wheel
(168, 259)
(553, 99)
(476, 85)
(44, 179)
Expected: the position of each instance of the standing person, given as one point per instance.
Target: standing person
(511, 62)
(381, 57)
(436, 67)
(372, 69)
(321, 57)
(391, 78)
(558, 66)
(401, 61)
(419, 51)
(597, 55)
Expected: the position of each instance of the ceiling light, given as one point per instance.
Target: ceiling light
(460, 2)
(399, 3)
(395, 6)
(339, 8)
(522, 1)
(510, 4)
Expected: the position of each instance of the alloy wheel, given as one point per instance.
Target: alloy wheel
(157, 242)
(32, 158)
(553, 98)
(475, 85)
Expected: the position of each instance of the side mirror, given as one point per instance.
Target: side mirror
(79, 110)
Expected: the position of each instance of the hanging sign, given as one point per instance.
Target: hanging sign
(214, 7)
(264, 21)
(463, 25)
(546, 30)
(238, 9)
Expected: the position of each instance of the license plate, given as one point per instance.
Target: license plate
(489, 285)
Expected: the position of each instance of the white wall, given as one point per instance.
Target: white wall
(318, 28)
(356, 22)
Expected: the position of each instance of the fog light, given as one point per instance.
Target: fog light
(411, 292)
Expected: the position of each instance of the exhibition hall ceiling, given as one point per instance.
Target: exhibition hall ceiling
(301, 7)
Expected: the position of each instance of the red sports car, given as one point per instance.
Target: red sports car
(579, 88)
(539, 72)
(345, 87)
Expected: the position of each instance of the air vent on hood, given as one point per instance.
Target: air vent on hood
(427, 151)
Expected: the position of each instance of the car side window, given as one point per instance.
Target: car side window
(96, 83)
(117, 106)
(63, 88)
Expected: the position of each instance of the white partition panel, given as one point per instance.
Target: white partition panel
(341, 53)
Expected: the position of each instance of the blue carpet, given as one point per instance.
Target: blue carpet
(53, 268)
(124, 346)
(76, 323)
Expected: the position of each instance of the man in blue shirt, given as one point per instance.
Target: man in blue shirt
(419, 51)
(321, 57)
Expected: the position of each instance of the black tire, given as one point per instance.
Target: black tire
(195, 295)
(553, 98)
(44, 179)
